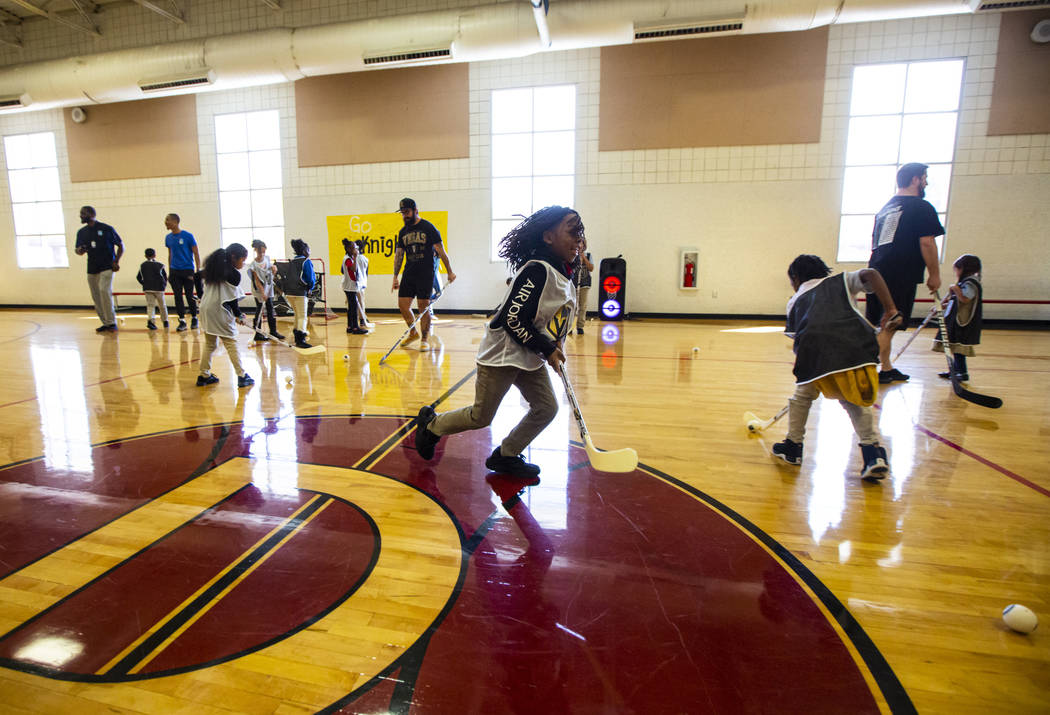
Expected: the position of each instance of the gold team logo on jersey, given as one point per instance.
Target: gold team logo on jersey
(558, 325)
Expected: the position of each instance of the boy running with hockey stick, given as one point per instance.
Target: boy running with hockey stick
(836, 354)
(527, 331)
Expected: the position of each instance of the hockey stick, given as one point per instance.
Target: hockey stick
(975, 398)
(312, 350)
(412, 327)
(922, 325)
(754, 424)
(620, 460)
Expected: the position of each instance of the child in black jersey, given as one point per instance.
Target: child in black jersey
(154, 280)
(962, 315)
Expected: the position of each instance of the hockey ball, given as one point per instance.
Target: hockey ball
(346, 357)
(1020, 618)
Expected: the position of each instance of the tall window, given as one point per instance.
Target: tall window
(899, 113)
(36, 200)
(251, 203)
(533, 153)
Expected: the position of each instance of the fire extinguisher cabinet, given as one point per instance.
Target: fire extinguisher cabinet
(689, 269)
(612, 288)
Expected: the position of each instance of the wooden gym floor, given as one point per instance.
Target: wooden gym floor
(282, 549)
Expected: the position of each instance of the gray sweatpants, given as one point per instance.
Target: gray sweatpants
(798, 412)
(155, 299)
(211, 344)
(101, 285)
(490, 386)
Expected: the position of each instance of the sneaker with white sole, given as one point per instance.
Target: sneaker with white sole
(424, 346)
(789, 451)
(412, 337)
(876, 464)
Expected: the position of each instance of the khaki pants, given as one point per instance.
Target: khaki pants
(581, 305)
(298, 303)
(211, 344)
(101, 285)
(798, 412)
(490, 386)
(155, 299)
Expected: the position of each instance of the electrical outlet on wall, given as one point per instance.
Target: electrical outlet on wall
(714, 292)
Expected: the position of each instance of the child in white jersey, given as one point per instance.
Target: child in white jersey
(350, 282)
(219, 311)
(262, 271)
(527, 331)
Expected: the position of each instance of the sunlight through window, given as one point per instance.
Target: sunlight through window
(899, 113)
(36, 200)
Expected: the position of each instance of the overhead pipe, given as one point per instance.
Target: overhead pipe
(539, 13)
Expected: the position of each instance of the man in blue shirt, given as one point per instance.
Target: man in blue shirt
(183, 261)
(103, 248)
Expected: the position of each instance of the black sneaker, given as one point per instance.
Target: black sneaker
(244, 380)
(260, 338)
(876, 465)
(182, 326)
(165, 324)
(579, 331)
(893, 375)
(963, 376)
(515, 466)
(151, 325)
(277, 335)
(425, 439)
(790, 452)
(193, 323)
(102, 329)
(209, 380)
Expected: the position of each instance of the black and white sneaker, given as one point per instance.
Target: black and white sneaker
(193, 323)
(245, 380)
(151, 325)
(790, 452)
(876, 464)
(209, 380)
(182, 326)
(515, 466)
(425, 439)
(963, 376)
(892, 375)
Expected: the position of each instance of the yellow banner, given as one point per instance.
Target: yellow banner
(379, 232)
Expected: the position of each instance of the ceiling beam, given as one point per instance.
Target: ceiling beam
(55, 17)
(176, 16)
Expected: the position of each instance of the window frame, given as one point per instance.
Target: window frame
(20, 238)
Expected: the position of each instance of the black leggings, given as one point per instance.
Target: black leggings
(351, 310)
(182, 282)
(271, 319)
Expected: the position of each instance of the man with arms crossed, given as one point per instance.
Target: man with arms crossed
(184, 261)
(903, 247)
(98, 240)
(417, 243)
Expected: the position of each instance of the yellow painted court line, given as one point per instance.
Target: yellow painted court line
(170, 639)
(862, 666)
(189, 599)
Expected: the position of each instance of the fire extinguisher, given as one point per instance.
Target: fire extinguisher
(689, 278)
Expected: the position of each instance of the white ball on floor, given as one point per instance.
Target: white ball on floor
(1020, 618)
(346, 357)
(696, 353)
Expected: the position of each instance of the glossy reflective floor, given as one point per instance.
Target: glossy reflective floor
(168, 548)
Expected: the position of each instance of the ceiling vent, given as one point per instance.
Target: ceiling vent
(673, 32)
(442, 53)
(1019, 5)
(11, 103)
(167, 84)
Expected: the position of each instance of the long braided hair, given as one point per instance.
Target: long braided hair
(807, 267)
(526, 239)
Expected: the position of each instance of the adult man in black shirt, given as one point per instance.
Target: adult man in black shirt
(903, 246)
(417, 243)
(98, 241)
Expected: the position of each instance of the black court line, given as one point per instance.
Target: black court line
(147, 646)
(892, 690)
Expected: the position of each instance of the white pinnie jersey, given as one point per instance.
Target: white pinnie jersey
(555, 313)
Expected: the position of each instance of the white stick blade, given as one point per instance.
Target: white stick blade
(619, 461)
(312, 350)
(752, 422)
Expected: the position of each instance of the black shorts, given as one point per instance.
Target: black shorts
(903, 294)
(416, 286)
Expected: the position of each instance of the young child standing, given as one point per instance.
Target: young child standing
(262, 272)
(362, 284)
(300, 282)
(582, 277)
(528, 330)
(836, 354)
(154, 280)
(349, 270)
(962, 316)
(219, 311)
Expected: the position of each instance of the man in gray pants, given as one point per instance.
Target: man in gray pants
(103, 248)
